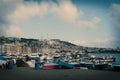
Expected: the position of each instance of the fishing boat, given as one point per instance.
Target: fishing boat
(50, 65)
(103, 62)
(94, 62)
(101, 66)
(75, 65)
(65, 64)
(86, 63)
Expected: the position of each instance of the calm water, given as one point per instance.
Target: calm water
(116, 55)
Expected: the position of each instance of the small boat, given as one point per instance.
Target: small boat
(65, 64)
(101, 66)
(96, 63)
(50, 65)
(88, 65)
(75, 65)
(30, 63)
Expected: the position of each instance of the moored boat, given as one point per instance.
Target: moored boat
(88, 65)
(101, 66)
(65, 64)
(50, 65)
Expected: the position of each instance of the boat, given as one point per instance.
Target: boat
(102, 62)
(30, 63)
(75, 65)
(50, 65)
(101, 66)
(65, 64)
(99, 63)
(88, 65)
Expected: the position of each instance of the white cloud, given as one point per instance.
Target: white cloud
(22, 12)
(103, 43)
(115, 14)
(83, 43)
(14, 30)
(80, 42)
(6, 8)
(66, 11)
(26, 11)
(92, 23)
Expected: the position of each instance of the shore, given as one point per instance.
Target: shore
(24, 73)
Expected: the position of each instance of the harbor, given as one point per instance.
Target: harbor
(59, 61)
(55, 54)
(59, 40)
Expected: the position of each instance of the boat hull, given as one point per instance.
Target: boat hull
(66, 65)
(87, 65)
(101, 66)
(50, 66)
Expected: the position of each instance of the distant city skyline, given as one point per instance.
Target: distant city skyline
(92, 23)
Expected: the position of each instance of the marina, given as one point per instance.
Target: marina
(51, 61)
(59, 39)
(54, 54)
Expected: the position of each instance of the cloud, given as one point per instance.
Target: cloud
(13, 31)
(5, 9)
(28, 10)
(115, 14)
(92, 23)
(108, 42)
(103, 43)
(15, 11)
(66, 10)
(79, 42)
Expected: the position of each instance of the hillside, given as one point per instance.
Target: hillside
(52, 45)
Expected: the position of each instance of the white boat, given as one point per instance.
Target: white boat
(31, 63)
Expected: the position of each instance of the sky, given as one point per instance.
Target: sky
(92, 23)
